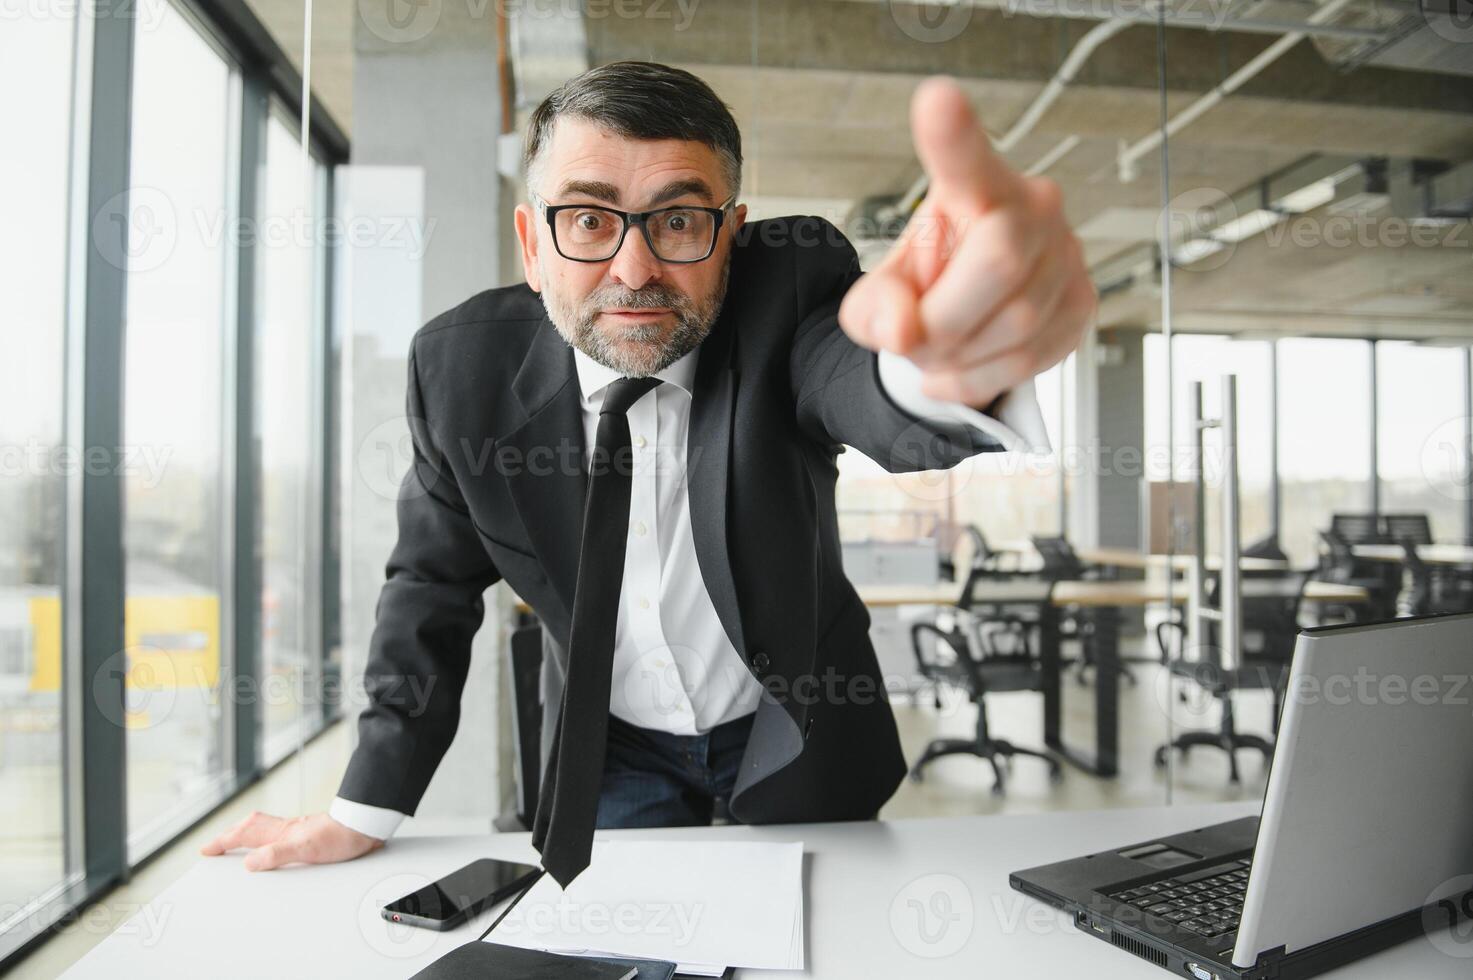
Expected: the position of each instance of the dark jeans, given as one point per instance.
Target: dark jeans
(655, 779)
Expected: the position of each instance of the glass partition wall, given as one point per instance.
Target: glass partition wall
(1318, 253)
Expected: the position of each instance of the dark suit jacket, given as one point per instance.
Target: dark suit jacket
(496, 492)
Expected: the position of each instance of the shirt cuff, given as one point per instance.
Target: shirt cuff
(1015, 421)
(375, 821)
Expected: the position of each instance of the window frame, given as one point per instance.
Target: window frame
(94, 770)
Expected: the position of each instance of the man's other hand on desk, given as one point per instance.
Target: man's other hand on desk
(275, 841)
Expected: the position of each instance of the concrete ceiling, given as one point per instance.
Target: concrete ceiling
(821, 90)
(333, 24)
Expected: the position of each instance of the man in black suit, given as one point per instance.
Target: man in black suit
(642, 441)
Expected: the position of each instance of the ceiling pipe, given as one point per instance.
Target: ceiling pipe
(1148, 12)
(1061, 149)
(1041, 103)
(1067, 72)
(1129, 155)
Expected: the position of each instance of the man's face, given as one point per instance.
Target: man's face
(632, 313)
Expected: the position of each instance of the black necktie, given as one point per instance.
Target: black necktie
(567, 806)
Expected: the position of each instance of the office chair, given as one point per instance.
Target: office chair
(1060, 560)
(983, 632)
(951, 661)
(984, 560)
(1339, 564)
(1433, 589)
(1265, 547)
(1358, 528)
(526, 706)
(1407, 528)
(1062, 563)
(1270, 629)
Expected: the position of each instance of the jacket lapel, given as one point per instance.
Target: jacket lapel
(542, 458)
(708, 458)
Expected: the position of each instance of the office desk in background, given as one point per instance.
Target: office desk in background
(1090, 593)
(1100, 602)
(1432, 554)
(1027, 558)
(908, 898)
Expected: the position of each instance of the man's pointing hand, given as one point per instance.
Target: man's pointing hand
(987, 286)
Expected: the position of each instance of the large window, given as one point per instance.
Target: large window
(1324, 436)
(1324, 390)
(179, 311)
(36, 58)
(289, 345)
(1010, 496)
(121, 325)
(1420, 434)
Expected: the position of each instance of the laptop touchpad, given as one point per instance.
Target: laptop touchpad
(1159, 855)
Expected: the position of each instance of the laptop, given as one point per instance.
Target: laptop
(1364, 838)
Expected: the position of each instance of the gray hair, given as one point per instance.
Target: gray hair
(643, 101)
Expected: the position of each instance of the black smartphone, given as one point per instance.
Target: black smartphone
(446, 903)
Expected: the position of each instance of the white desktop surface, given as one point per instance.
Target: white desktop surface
(864, 883)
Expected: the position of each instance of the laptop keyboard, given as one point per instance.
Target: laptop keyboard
(1207, 902)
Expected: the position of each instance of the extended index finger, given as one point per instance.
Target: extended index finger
(954, 149)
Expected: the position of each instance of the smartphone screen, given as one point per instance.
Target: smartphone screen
(461, 892)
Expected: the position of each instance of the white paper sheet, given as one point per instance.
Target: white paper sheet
(705, 905)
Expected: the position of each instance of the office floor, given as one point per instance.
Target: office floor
(952, 786)
(957, 785)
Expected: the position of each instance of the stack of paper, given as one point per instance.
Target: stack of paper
(704, 905)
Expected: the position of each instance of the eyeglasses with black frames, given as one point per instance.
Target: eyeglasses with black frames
(591, 233)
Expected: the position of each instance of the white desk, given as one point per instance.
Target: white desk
(1432, 554)
(222, 921)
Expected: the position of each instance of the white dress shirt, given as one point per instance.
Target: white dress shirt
(675, 669)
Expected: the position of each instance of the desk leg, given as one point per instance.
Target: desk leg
(1106, 643)
(1051, 670)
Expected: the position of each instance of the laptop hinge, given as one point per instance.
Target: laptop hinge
(1267, 966)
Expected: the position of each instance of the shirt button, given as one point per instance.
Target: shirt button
(639, 442)
(644, 603)
(760, 663)
(639, 527)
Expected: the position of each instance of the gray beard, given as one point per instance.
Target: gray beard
(643, 350)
